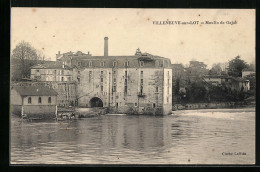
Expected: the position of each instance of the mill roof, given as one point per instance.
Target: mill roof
(35, 91)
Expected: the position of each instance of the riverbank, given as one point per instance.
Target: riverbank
(216, 105)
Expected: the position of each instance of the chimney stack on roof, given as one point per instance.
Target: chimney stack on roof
(106, 46)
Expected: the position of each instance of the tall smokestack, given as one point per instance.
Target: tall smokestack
(106, 46)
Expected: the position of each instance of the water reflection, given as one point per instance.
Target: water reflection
(180, 138)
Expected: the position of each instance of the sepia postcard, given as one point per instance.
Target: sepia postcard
(132, 86)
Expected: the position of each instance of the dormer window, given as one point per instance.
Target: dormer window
(114, 63)
(141, 63)
(102, 64)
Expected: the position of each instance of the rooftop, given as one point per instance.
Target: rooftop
(51, 65)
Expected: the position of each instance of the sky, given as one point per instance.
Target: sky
(83, 29)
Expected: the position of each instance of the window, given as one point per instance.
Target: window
(37, 70)
(78, 80)
(160, 63)
(125, 89)
(39, 100)
(142, 63)
(114, 72)
(101, 72)
(62, 72)
(49, 100)
(125, 73)
(114, 80)
(142, 72)
(101, 79)
(90, 76)
(79, 72)
(142, 81)
(102, 63)
(114, 64)
(29, 100)
(157, 89)
(135, 104)
(90, 64)
(62, 79)
(114, 88)
(127, 63)
(154, 105)
(101, 87)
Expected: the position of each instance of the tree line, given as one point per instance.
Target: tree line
(191, 87)
(23, 57)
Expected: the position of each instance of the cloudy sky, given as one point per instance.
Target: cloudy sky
(69, 29)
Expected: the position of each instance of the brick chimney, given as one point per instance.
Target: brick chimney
(106, 46)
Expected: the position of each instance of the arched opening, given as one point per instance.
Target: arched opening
(96, 102)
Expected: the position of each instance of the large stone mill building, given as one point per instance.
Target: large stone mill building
(140, 83)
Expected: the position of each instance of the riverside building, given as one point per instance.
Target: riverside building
(139, 83)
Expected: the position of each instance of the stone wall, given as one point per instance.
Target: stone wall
(40, 111)
(120, 88)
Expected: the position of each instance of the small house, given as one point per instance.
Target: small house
(213, 79)
(38, 102)
(247, 72)
(236, 84)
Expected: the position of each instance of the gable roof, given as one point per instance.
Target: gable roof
(35, 91)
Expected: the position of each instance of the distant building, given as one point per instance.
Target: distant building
(213, 79)
(51, 71)
(247, 72)
(34, 101)
(236, 84)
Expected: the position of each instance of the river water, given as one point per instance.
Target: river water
(220, 136)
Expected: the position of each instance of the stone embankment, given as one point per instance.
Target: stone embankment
(90, 112)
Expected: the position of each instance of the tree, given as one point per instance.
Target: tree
(215, 70)
(24, 51)
(23, 57)
(196, 68)
(236, 66)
